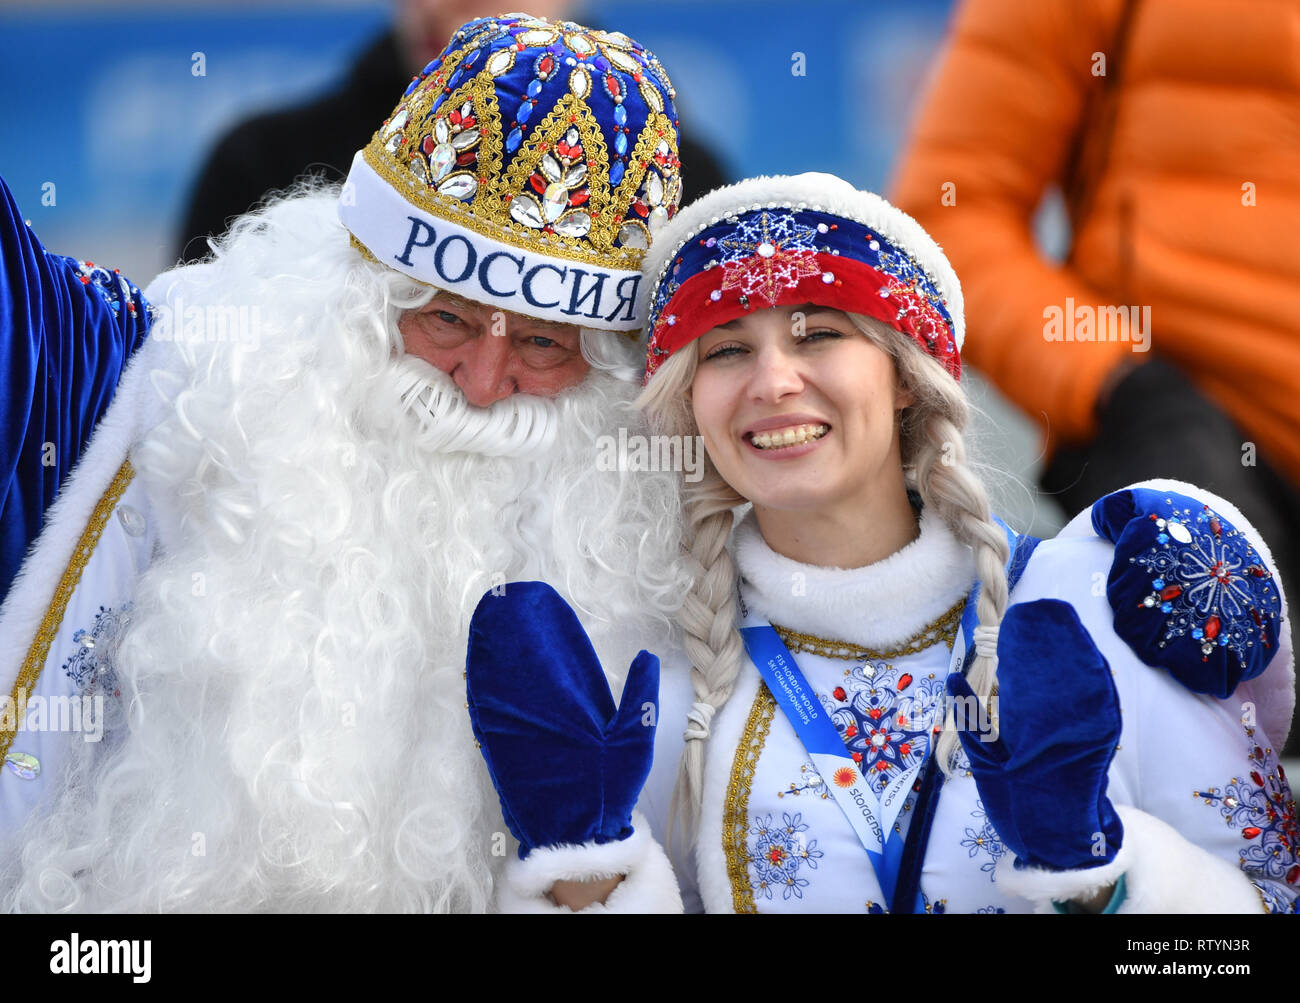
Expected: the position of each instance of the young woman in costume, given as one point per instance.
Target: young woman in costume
(899, 704)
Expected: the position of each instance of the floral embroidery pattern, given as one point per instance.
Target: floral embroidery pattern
(767, 253)
(812, 783)
(778, 852)
(984, 839)
(91, 666)
(884, 715)
(915, 295)
(1208, 582)
(1261, 806)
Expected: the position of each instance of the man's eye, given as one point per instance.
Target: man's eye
(446, 317)
(542, 342)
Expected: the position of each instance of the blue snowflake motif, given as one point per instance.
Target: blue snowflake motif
(1208, 582)
(91, 665)
(904, 268)
(884, 715)
(776, 228)
(915, 295)
(984, 839)
(767, 253)
(1262, 808)
(777, 853)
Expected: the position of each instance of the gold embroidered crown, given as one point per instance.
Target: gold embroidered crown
(550, 137)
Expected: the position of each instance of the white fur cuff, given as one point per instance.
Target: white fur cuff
(1164, 873)
(649, 885)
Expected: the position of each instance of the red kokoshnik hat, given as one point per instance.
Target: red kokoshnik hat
(810, 238)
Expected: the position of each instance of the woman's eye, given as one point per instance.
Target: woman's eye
(446, 317)
(819, 334)
(542, 342)
(721, 351)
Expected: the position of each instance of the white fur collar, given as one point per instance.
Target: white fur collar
(876, 606)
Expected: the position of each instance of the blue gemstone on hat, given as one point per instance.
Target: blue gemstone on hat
(620, 114)
(616, 171)
(534, 88)
(620, 143)
(411, 86)
(525, 109)
(516, 137)
(601, 63)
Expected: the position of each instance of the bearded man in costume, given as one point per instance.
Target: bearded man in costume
(266, 557)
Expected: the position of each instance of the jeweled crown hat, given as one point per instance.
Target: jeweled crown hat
(526, 167)
(809, 238)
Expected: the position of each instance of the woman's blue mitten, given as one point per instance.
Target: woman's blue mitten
(566, 763)
(1043, 778)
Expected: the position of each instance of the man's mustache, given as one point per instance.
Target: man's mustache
(519, 425)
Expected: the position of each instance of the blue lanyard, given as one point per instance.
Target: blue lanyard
(907, 890)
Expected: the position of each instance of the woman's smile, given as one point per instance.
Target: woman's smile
(784, 437)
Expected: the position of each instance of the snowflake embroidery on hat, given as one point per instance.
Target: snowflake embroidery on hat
(1208, 582)
(766, 253)
(884, 716)
(91, 665)
(915, 297)
(1262, 807)
(778, 852)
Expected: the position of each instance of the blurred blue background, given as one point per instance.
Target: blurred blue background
(107, 103)
(104, 101)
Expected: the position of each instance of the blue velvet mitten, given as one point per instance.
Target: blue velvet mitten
(568, 766)
(1043, 779)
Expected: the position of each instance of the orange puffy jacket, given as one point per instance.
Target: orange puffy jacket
(1192, 208)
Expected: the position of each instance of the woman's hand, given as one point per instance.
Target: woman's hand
(1043, 776)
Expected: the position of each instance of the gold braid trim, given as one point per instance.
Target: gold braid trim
(943, 629)
(40, 648)
(735, 812)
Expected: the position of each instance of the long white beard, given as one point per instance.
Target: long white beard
(296, 734)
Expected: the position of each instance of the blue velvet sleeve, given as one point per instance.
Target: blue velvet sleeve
(67, 330)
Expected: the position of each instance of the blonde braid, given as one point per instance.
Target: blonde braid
(708, 616)
(710, 612)
(933, 446)
(963, 503)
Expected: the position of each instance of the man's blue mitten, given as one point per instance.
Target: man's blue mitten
(1043, 779)
(568, 766)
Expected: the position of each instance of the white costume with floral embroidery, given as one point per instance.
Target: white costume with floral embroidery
(773, 840)
(1209, 822)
